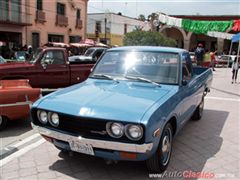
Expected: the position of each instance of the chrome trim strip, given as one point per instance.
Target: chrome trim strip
(17, 104)
(118, 146)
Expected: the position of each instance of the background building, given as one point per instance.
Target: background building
(56, 21)
(109, 28)
(14, 20)
(36, 22)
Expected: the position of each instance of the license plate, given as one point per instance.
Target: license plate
(81, 147)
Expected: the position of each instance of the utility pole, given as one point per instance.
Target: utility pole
(105, 26)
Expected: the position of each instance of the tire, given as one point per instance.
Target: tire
(197, 115)
(3, 122)
(158, 163)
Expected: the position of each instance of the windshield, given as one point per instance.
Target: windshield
(20, 55)
(89, 52)
(158, 67)
(36, 55)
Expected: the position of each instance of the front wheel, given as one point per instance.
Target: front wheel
(3, 122)
(197, 115)
(159, 161)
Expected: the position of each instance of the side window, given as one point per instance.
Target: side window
(186, 67)
(53, 57)
(47, 58)
(98, 54)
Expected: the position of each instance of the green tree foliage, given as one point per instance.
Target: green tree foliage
(141, 17)
(147, 38)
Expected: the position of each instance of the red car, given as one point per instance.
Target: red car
(16, 97)
(49, 68)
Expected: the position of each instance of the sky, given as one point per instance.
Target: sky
(133, 8)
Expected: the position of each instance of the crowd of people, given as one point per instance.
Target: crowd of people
(204, 57)
(11, 53)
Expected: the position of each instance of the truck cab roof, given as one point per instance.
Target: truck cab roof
(148, 48)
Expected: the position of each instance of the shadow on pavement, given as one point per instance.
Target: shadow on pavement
(16, 128)
(196, 143)
(226, 92)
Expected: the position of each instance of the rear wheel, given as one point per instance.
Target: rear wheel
(159, 161)
(3, 122)
(197, 115)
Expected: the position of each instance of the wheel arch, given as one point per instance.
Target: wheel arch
(173, 122)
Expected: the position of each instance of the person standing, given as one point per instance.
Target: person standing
(206, 59)
(213, 59)
(235, 67)
(199, 54)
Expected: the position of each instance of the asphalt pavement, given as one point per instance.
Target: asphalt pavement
(209, 147)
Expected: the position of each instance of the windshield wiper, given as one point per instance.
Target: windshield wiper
(103, 76)
(142, 79)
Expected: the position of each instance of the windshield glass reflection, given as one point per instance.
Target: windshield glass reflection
(159, 67)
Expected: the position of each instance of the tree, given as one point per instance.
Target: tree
(141, 17)
(147, 38)
(151, 18)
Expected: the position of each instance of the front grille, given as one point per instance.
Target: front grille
(85, 127)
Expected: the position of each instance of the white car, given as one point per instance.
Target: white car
(226, 60)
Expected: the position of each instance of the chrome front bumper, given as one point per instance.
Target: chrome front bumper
(109, 145)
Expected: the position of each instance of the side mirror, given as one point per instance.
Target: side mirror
(184, 82)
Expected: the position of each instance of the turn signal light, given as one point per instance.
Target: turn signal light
(127, 155)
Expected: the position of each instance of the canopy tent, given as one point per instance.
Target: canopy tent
(101, 44)
(236, 38)
(80, 45)
(93, 43)
(57, 44)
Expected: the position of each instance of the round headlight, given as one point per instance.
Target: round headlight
(134, 132)
(42, 116)
(54, 119)
(115, 130)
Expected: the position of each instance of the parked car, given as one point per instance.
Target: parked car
(16, 97)
(2, 60)
(132, 105)
(49, 68)
(91, 54)
(225, 60)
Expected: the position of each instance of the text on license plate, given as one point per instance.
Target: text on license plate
(81, 147)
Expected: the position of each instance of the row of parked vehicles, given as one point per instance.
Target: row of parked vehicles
(130, 103)
(50, 67)
(221, 60)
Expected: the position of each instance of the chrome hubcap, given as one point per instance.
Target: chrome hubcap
(166, 146)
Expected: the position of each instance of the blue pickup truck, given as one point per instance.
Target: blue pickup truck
(134, 102)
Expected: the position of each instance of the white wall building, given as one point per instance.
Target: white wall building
(110, 28)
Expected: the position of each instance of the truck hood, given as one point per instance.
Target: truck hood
(106, 99)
